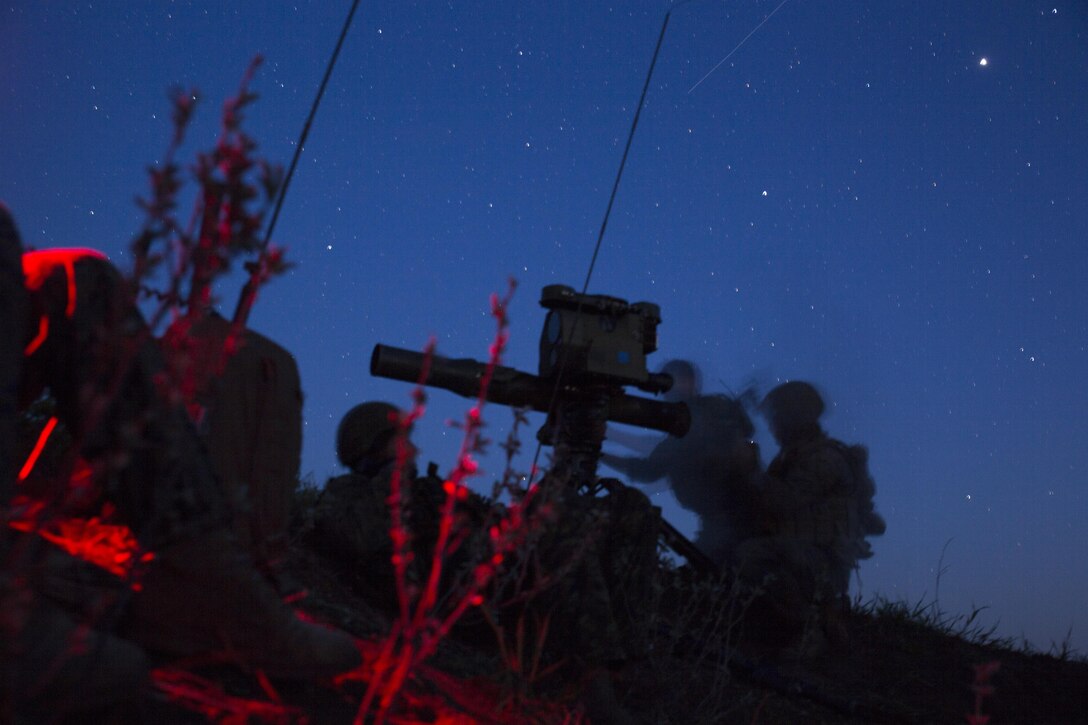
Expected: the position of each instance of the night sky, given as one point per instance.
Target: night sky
(888, 199)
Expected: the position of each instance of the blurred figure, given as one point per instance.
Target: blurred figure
(817, 507)
(711, 470)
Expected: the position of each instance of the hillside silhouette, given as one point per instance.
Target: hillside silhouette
(902, 664)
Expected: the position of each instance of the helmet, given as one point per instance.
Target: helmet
(795, 404)
(362, 429)
(687, 381)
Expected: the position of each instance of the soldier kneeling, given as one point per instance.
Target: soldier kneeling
(352, 520)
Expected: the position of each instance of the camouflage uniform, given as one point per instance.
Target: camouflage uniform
(810, 512)
(809, 505)
(352, 519)
(811, 495)
(352, 527)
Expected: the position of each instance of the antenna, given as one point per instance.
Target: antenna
(608, 209)
(249, 291)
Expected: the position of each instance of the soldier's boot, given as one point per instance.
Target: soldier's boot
(57, 668)
(204, 597)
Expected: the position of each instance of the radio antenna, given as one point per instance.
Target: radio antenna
(627, 147)
(608, 212)
(249, 291)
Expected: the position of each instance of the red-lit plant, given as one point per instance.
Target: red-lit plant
(235, 188)
(423, 621)
(982, 689)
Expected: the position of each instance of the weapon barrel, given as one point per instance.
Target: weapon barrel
(519, 389)
(671, 418)
(462, 376)
(407, 365)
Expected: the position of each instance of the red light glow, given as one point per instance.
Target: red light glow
(43, 437)
(203, 696)
(38, 266)
(108, 546)
(43, 332)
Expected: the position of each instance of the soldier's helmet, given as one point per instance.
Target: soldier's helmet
(794, 404)
(687, 381)
(363, 429)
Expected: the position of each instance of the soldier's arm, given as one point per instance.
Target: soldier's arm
(643, 444)
(657, 465)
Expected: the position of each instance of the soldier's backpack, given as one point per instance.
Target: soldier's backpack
(249, 415)
(870, 523)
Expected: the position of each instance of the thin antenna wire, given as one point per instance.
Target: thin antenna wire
(245, 301)
(607, 214)
(306, 127)
(626, 149)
